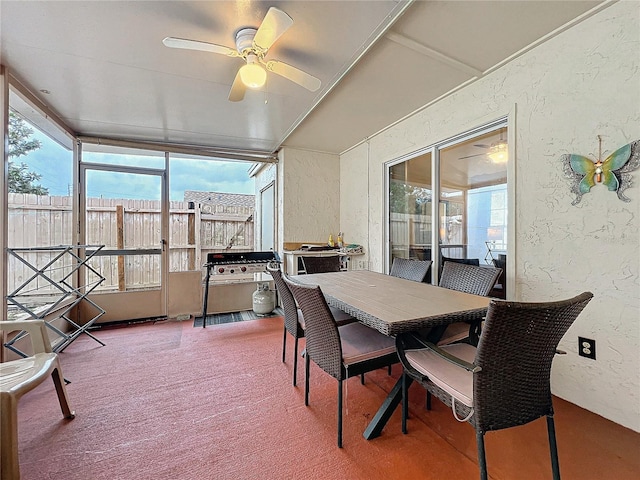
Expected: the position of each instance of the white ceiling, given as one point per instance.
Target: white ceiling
(109, 74)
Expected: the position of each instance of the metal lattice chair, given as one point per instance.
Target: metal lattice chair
(505, 381)
(342, 352)
(293, 318)
(321, 264)
(18, 377)
(415, 270)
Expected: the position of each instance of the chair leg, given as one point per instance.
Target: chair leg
(295, 360)
(306, 380)
(61, 390)
(389, 370)
(284, 343)
(9, 464)
(362, 378)
(405, 402)
(553, 446)
(339, 413)
(482, 459)
(428, 400)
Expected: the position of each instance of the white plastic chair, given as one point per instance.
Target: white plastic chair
(18, 377)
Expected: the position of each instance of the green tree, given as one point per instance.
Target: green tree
(21, 180)
(404, 198)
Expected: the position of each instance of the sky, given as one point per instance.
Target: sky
(54, 163)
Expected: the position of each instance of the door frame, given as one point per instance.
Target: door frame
(133, 304)
(507, 122)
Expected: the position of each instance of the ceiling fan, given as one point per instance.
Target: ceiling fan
(252, 45)
(496, 152)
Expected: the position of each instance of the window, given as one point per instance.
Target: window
(39, 207)
(471, 222)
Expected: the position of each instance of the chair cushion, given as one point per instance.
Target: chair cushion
(341, 317)
(361, 343)
(301, 319)
(454, 380)
(454, 332)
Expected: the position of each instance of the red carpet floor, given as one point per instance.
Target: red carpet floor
(169, 401)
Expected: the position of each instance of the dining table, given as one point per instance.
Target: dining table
(394, 305)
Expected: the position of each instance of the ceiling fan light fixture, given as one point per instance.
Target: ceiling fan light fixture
(253, 75)
(498, 152)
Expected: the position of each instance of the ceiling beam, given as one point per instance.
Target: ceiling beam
(431, 53)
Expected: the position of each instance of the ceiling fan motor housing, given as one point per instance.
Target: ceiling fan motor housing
(244, 40)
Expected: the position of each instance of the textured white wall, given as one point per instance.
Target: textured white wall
(309, 185)
(559, 96)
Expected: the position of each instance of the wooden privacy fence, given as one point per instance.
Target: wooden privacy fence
(414, 230)
(37, 221)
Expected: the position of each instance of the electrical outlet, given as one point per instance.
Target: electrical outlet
(587, 348)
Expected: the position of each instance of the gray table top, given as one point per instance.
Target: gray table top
(393, 305)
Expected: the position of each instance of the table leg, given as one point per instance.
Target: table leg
(382, 416)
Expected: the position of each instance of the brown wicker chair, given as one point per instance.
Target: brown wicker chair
(321, 264)
(408, 269)
(505, 381)
(342, 352)
(465, 261)
(500, 288)
(469, 279)
(293, 318)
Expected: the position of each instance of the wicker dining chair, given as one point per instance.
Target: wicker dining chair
(408, 269)
(466, 261)
(293, 318)
(500, 288)
(505, 381)
(321, 264)
(469, 279)
(342, 352)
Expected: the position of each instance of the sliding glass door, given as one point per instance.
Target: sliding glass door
(468, 176)
(410, 196)
(123, 209)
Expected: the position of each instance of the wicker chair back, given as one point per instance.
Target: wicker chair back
(323, 340)
(515, 352)
(469, 278)
(291, 322)
(415, 270)
(321, 264)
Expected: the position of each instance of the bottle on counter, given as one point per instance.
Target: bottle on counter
(331, 244)
(340, 241)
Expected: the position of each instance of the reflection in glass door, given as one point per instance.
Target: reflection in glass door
(473, 195)
(470, 182)
(410, 209)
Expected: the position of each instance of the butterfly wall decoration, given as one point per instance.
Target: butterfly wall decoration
(613, 172)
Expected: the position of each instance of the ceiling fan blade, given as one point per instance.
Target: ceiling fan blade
(237, 89)
(173, 42)
(294, 74)
(275, 23)
(471, 156)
